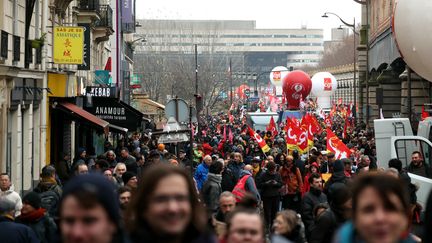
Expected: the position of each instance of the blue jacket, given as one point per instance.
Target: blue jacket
(348, 234)
(201, 175)
(250, 185)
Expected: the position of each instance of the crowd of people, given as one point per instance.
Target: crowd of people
(221, 189)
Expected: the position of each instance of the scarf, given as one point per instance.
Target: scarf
(33, 216)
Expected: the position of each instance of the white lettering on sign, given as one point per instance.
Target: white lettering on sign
(116, 111)
(99, 92)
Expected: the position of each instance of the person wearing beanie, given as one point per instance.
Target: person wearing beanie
(333, 217)
(130, 179)
(338, 177)
(93, 197)
(34, 216)
(11, 231)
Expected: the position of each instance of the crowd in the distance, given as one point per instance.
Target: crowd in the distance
(222, 189)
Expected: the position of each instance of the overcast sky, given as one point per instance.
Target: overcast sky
(268, 14)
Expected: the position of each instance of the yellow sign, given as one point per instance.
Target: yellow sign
(68, 45)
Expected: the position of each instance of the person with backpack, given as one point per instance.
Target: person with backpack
(49, 191)
(34, 216)
(246, 184)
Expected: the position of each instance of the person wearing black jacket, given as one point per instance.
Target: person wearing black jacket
(269, 184)
(34, 216)
(329, 221)
(310, 200)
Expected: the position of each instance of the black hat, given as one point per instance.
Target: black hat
(127, 176)
(101, 187)
(33, 199)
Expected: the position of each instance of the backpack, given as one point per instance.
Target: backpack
(50, 200)
(239, 190)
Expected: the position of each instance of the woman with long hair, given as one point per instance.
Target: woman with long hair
(165, 208)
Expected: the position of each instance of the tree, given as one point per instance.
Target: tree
(339, 53)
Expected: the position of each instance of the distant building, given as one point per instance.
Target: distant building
(337, 37)
(259, 49)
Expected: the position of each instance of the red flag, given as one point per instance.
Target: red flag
(230, 118)
(328, 121)
(344, 134)
(349, 112)
(336, 146)
(230, 136)
(272, 127)
(291, 135)
(263, 145)
(224, 134)
(424, 113)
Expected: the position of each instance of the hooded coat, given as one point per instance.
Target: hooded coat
(211, 191)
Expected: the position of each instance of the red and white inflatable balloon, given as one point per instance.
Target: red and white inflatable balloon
(412, 28)
(324, 84)
(296, 85)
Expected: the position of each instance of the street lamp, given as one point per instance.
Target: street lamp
(353, 26)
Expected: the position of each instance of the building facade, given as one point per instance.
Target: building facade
(383, 73)
(42, 101)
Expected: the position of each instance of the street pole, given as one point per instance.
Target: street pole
(196, 88)
(355, 73)
(231, 82)
(191, 138)
(196, 69)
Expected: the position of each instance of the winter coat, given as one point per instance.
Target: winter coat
(348, 234)
(236, 168)
(64, 170)
(50, 193)
(14, 197)
(201, 174)
(12, 232)
(44, 227)
(292, 180)
(325, 226)
(269, 184)
(310, 200)
(210, 192)
(228, 180)
(250, 185)
(337, 178)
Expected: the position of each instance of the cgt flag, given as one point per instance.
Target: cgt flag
(272, 127)
(336, 146)
(263, 145)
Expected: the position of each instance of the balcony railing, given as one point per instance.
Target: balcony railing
(106, 16)
(89, 5)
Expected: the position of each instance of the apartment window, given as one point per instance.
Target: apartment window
(16, 48)
(4, 44)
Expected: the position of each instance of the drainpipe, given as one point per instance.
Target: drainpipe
(44, 102)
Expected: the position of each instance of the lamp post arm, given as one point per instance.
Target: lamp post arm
(361, 2)
(343, 21)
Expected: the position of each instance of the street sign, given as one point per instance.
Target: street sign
(172, 135)
(179, 109)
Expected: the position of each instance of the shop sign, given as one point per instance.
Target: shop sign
(95, 91)
(115, 112)
(68, 45)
